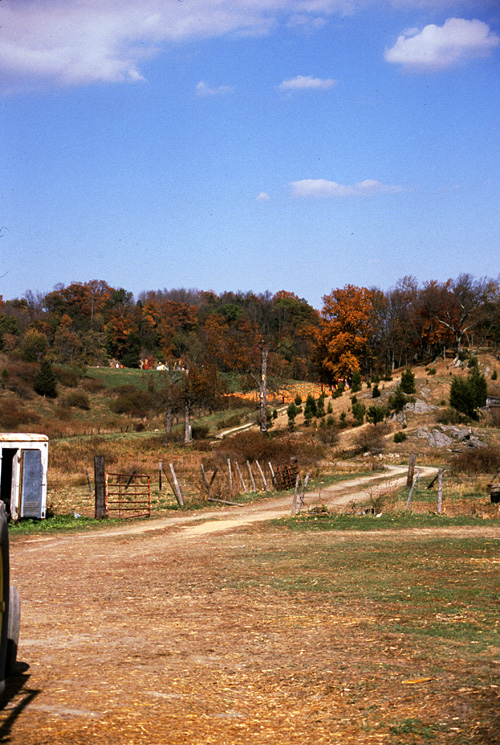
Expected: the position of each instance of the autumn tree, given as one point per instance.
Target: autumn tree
(343, 337)
(464, 297)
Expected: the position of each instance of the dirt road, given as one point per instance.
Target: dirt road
(143, 634)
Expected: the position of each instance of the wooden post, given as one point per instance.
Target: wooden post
(294, 500)
(440, 491)
(100, 487)
(230, 475)
(272, 470)
(252, 480)
(417, 478)
(243, 485)
(262, 476)
(177, 490)
(411, 469)
(159, 475)
(302, 495)
(204, 478)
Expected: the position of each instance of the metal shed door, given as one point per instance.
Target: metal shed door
(32, 477)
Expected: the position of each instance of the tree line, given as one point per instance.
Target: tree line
(358, 329)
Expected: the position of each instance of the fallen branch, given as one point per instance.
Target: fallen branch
(223, 501)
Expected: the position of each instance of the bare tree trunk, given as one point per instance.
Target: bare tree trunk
(168, 420)
(263, 390)
(187, 428)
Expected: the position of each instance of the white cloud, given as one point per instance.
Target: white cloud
(202, 89)
(306, 82)
(321, 188)
(262, 197)
(70, 42)
(440, 47)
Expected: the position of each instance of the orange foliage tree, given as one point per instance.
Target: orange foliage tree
(343, 337)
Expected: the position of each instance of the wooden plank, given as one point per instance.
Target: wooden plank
(244, 486)
(440, 491)
(262, 476)
(303, 493)
(252, 480)
(177, 490)
(100, 487)
(411, 469)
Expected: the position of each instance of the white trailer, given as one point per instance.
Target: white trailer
(23, 474)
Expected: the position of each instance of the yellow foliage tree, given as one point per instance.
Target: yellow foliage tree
(343, 337)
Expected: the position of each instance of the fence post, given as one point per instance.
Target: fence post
(177, 490)
(100, 487)
(252, 480)
(241, 478)
(411, 469)
(204, 478)
(230, 475)
(272, 471)
(301, 498)
(160, 466)
(440, 491)
(262, 476)
(294, 500)
(417, 478)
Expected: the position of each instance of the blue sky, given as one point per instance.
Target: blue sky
(248, 144)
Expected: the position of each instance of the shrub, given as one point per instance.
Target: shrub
(449, 416)
(320, 406)
(358, 412)
(67, 376)
(468, 394)
(478, 460)
(45, 381)
(397, 400)
(343, 420)
(329, 408)
(375, 391)
(200, 431)
(376, 414)
(408, 381)
(4, 377)
(135, 403)
(292, 412)
(356, 382)
(21, 389)
(12, 417)
(399, 437)
(310, 407)
(388, 375)
(330, 421)
(327, 435)
(431, 371)
(33, 345)
(252, 445)
(494, 374)
(298, 399)
(78, 399)
(370, 439)
(92, 385)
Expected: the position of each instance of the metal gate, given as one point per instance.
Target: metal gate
(128, 495)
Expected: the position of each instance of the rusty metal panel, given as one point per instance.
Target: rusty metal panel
(128, 495)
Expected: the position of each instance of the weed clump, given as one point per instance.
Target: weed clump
(371, 439)
(78, 399)
(134, 402)
(478, 460)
